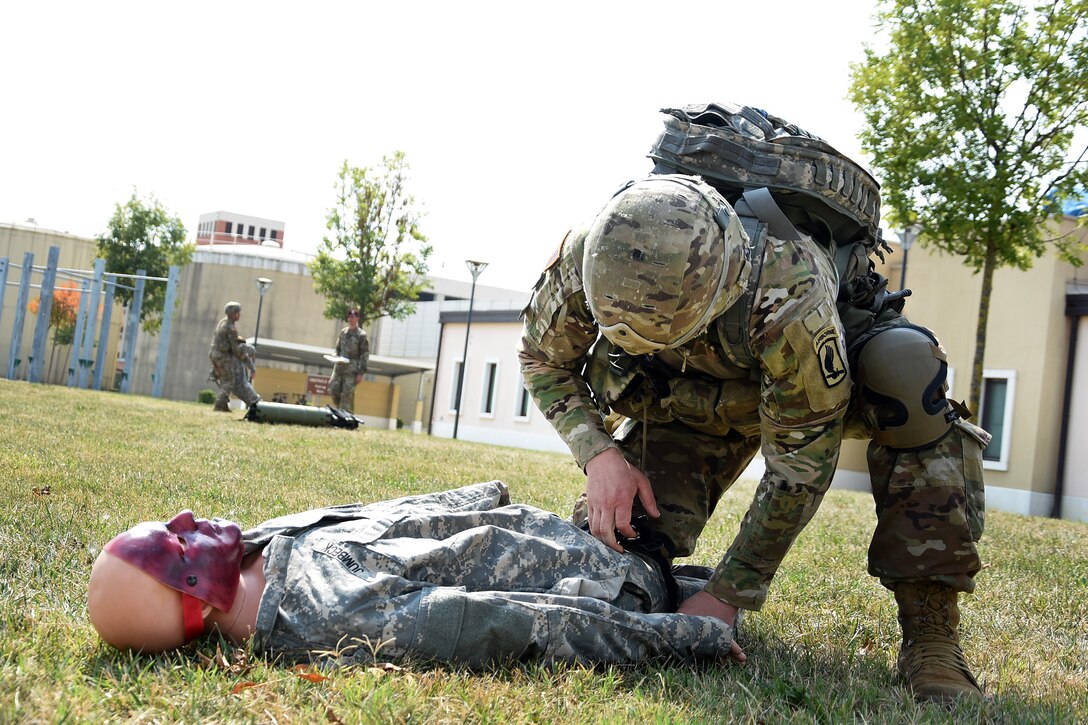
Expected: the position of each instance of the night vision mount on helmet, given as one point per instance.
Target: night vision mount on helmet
(739, 148)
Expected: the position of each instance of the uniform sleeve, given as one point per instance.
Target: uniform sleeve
(360, 362)
(804, 393)
(559, 331)
(236, 344)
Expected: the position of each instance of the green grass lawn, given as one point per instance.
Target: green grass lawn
(77, 467)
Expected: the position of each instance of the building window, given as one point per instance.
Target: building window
(229, 228)
(250, 235)
(998, 396)
(491, 379)
(454, 385)
(524, 402)
(263, 230)
(272, 235)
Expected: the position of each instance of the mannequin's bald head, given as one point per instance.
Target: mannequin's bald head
(131, 610)
(153, 586)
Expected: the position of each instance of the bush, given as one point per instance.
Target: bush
(206, 396)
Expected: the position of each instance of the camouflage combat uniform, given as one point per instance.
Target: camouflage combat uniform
(464, 577)
(692, 418)
(226, 354)
(353, 345)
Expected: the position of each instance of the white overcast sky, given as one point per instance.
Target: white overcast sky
(518, 119)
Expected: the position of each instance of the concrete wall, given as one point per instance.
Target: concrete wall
(291, 311)
(1075, 504)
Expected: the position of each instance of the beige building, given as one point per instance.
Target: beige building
(1035, 392)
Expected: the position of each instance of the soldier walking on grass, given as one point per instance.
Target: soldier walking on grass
(227, 354)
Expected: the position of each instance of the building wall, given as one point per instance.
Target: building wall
(489, 342)
(1075, 504)
(291, 311)
(1028, 334)
(212, 229)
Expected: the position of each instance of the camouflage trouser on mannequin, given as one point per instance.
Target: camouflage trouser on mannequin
(230, 375)
(342, 389)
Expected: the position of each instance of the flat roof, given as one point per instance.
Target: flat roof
(300, 354)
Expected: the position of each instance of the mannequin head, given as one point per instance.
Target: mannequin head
(153, 585)
(131, 610)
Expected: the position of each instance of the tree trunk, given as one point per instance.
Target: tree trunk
(980, 332)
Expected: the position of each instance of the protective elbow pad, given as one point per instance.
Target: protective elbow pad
(902, 373)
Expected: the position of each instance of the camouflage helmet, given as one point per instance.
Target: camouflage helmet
(663, 258)
(736, 148)
(232, 307)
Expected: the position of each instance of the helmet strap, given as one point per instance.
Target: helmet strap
(192, 616)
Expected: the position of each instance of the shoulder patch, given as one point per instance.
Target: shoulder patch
(554, 259)
(829, 352)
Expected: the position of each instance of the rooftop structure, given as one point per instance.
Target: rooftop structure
(225, 227)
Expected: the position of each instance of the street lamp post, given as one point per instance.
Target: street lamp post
(475, 268)
(263, 283)
(907, 237)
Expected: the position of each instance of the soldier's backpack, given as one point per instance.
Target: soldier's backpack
(740, 149)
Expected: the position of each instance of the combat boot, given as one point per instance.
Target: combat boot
(931, 661)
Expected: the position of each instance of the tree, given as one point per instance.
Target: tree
(143, 235)
(62, 317)
(971, 116)
(376, 257)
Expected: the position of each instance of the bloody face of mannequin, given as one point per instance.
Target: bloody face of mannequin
(194, 556)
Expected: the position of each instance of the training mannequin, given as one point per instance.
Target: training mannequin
(461, 576)
(147, 565)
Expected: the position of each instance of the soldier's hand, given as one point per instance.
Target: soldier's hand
(611, 486)
(704, 604)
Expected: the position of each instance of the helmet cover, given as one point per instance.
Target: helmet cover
(663, 258)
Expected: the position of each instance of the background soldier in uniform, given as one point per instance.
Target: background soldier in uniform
(352, 344)
(226, 354)
(460, 576)
(683, 331)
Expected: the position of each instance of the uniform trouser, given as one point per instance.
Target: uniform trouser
(342, 389)
(928, 502)
(930, 511)
(230, 376)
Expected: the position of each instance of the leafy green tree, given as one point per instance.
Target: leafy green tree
(143, 235)
(972, 112)
(376, 257)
